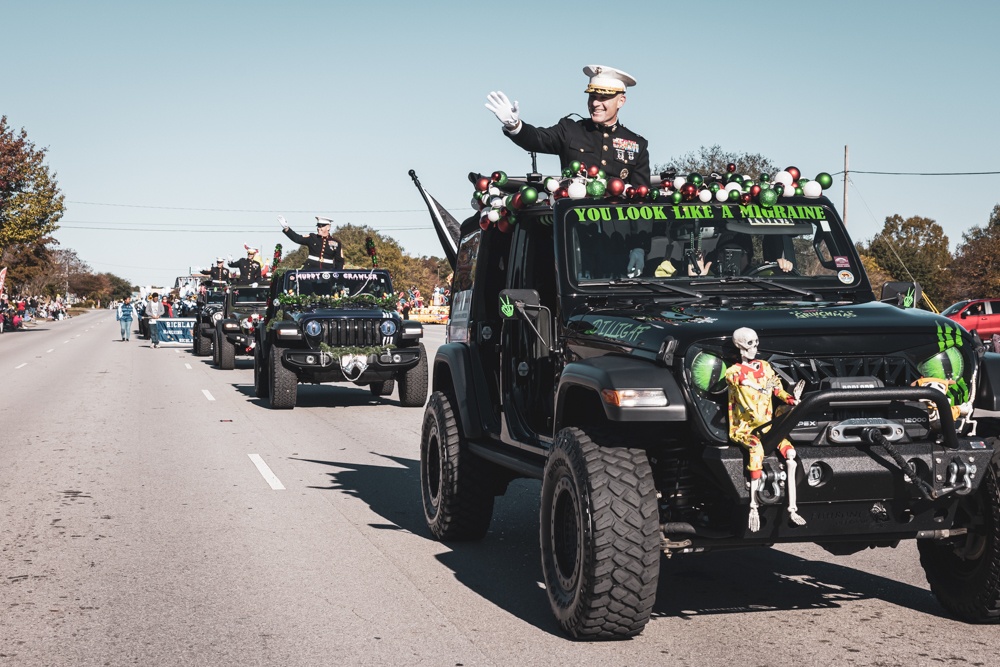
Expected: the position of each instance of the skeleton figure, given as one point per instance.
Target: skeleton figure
(752, 385)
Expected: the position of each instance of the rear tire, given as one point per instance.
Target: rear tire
(600, 535)
(260, 386)
(225, 351)
(455, 485)
(202, 344)
(413, 383)
(382, 388)
(965, 575)
(283, 384)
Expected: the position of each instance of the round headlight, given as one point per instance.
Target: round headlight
(313, 328)
(216, 316)
(946, 365)
(387, 328)
(708, 373)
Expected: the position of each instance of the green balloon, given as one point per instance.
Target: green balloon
(768, 198)
(825, 179)
(695, 178)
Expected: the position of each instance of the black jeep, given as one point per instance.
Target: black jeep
(207, 314)
(337, 326)
(592, 347)
(242, 312)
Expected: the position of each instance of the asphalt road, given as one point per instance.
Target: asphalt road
(136, 528)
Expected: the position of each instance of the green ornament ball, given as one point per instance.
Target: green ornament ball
(768, 198)
(595, 188)
(529, 195)
(574, 167)
(601, 175)
(695, 179)
(500, 178)
(734, 195)
(714, 187)
(654, 194)
(567, 172)
(764, 178)
(676, 197)
(825, 179)
(798, 191)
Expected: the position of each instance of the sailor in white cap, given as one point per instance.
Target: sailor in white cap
(249, 266)
(600, 140)
(218, 275)
(325, 251)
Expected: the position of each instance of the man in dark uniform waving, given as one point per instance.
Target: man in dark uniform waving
(600, 140)
(218, 275)
(325, 251)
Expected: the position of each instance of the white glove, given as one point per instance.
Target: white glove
(636, 263)
(498, 103)
(230, 259)
(284, 223)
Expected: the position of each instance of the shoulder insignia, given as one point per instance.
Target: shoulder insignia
(624, 174)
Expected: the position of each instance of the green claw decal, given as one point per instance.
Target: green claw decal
(506, 307)
(948, 336)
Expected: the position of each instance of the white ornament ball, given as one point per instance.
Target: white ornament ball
(733, 185)
(782, 177)
(577, 189)
(551, 184)
(494, 191)
(705, 196)
(722, 194)
(679, 182)
(812, 189)
(493, 215)
(789, 191)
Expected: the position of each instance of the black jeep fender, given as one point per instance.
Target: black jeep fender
(452, 371)
(988, 394)
(581, 383)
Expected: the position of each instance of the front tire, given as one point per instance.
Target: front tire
(965, 575)
(225, 351)
(455, 484)
(283, 383)
(260, 386)
(382, 388)
(413, 383)
(600, 535)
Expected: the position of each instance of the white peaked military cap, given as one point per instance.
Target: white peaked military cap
(607, 80)
(219, 259)
(250, 249)
(323, 222)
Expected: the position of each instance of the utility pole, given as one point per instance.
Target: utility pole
(844, 213)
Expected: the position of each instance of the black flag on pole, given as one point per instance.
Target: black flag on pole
(445, 225)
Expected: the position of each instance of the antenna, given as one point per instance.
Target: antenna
(534, 176)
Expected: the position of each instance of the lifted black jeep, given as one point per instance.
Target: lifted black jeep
(585, 349)
(241, 314)
(207, 315)
(337, 326)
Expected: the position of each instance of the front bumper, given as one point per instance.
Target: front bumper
(317, 366)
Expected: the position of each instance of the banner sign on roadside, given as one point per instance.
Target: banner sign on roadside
(175, 329)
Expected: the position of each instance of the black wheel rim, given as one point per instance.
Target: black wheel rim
(432, 471)
(565, 534)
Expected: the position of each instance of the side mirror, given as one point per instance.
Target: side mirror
(904, 295)
(510, 299)
(965, 314)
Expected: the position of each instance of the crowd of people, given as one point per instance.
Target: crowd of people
(17, 311)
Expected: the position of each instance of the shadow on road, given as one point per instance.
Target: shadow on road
(505, 569)
(326, 396)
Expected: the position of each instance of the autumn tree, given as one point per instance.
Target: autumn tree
(710, 159)
(30, 201)
(913, 249)
(976, 271)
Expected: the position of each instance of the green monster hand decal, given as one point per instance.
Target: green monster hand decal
(506, 307)
(908, 299)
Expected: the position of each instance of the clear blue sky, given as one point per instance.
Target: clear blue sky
(153, 113)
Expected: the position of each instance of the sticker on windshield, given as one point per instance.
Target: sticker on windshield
(841, 262)
(325, 275)
(291, 276)
(846, 277)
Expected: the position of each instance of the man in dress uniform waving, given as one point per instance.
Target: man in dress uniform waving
(325, 251)
(218, 275)
(600, 140)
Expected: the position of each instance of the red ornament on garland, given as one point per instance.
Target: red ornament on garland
(755, 190)
(745, 198)
(731, 168)
(484, 222)
(795, 173)
(561, 193)
(483, 184)
(642, 191)
(593, 170)
(616, 187)
(689, 191)
(503, 224)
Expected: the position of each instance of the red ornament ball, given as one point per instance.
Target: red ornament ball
(503, 224)
(642, 191)
(517, 201)
(616, 187)
(561, 193)
(731, 168)
(794, 171)
(484, 223)
(689, 191)
(483, 184)
(593, 170)
(745, 198)
(755, 190)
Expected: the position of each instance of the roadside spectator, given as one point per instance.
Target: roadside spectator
(154, 310)
(125, 314)
(404, 305)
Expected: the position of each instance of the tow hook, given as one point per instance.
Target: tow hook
(772, 488)
(960, 476)
(873, 436)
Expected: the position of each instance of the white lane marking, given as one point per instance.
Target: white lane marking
(187, 366)
(65, 341)
(21, 366)
(269, 476)
(52, 350)
(208, 394)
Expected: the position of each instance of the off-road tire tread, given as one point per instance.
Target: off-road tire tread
(413, 383)
(622, 558)
(283, 384)
(261, 389)
(225, 351)
(465, 503)
(974, 598)
(384, 388)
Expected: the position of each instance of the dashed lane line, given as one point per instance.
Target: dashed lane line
(266, 473)
(50, 351)
(208, 394)
(21, 366)
(187, 366)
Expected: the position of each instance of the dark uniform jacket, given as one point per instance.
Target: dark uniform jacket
(617, 150)
(218, 276)
(324, 253)
(249, 270)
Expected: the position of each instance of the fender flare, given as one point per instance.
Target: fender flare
(452, 370)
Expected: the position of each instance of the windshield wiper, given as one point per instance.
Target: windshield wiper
(731, 280)
(655, 286)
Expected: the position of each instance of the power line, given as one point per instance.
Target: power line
(921, 173)
(207, 231)
(245, 210)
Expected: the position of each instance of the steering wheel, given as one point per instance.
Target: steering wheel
(772, 266)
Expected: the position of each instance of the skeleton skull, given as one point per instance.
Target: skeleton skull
(746, 341)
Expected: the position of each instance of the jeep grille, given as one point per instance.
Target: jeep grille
(351, 332)
(892, 371)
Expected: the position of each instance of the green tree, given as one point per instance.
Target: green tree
(119, 287)
(30, 201)
(710, 159)
(915, 248)
(976, 269)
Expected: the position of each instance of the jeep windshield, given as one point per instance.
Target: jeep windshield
(249, 295)
(800, 243)
(338, 283)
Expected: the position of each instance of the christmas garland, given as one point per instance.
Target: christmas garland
(324, 301)
(341, 351)
(370, 249)
(579, 181)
